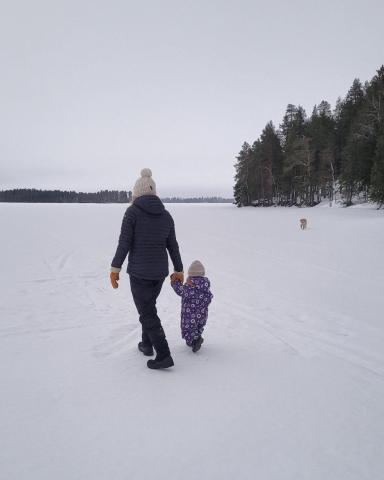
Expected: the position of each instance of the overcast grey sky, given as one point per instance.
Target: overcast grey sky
(92, 91)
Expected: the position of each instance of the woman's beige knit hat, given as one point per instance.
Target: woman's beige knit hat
(144, 185)
(196, 269)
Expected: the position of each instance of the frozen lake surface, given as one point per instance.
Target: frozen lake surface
(288, 385)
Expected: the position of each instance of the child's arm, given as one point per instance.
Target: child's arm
(208, 293)
(178, 287)
(210, 296)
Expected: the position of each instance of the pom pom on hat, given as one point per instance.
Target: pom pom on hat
(146, 172)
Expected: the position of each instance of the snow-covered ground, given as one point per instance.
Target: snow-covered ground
(289, 383)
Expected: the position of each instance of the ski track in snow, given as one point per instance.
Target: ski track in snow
(289, 382)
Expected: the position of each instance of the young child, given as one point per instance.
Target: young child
(195, 297)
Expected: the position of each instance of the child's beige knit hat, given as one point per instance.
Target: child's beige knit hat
(196, 269)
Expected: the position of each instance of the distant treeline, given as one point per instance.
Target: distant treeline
(31, 195)
(310, 159)
(105, 196)
(197, 200)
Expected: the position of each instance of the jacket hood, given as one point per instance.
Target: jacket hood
(150, 204)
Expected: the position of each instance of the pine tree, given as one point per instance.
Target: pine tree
(377, 178)
(241, 191)
(293, 132)
(271, 164)
(322, 131)
(357, 144)
(375, 100)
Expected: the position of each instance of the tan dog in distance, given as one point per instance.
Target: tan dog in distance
(303, 223)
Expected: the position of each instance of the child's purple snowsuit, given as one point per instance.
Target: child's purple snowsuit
(194, 307)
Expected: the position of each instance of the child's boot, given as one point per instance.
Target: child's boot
(197, 344)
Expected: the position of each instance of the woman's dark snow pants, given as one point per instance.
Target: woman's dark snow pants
(145, 293)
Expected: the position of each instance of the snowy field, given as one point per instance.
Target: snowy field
(288, 385)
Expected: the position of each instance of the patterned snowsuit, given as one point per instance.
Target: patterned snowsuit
(194, 307)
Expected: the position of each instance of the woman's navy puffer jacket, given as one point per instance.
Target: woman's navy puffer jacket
(147, 232)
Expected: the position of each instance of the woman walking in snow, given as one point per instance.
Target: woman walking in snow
(147, 233)
(195, 298)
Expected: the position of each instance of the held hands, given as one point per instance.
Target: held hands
(114, 276)
(177, 276)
